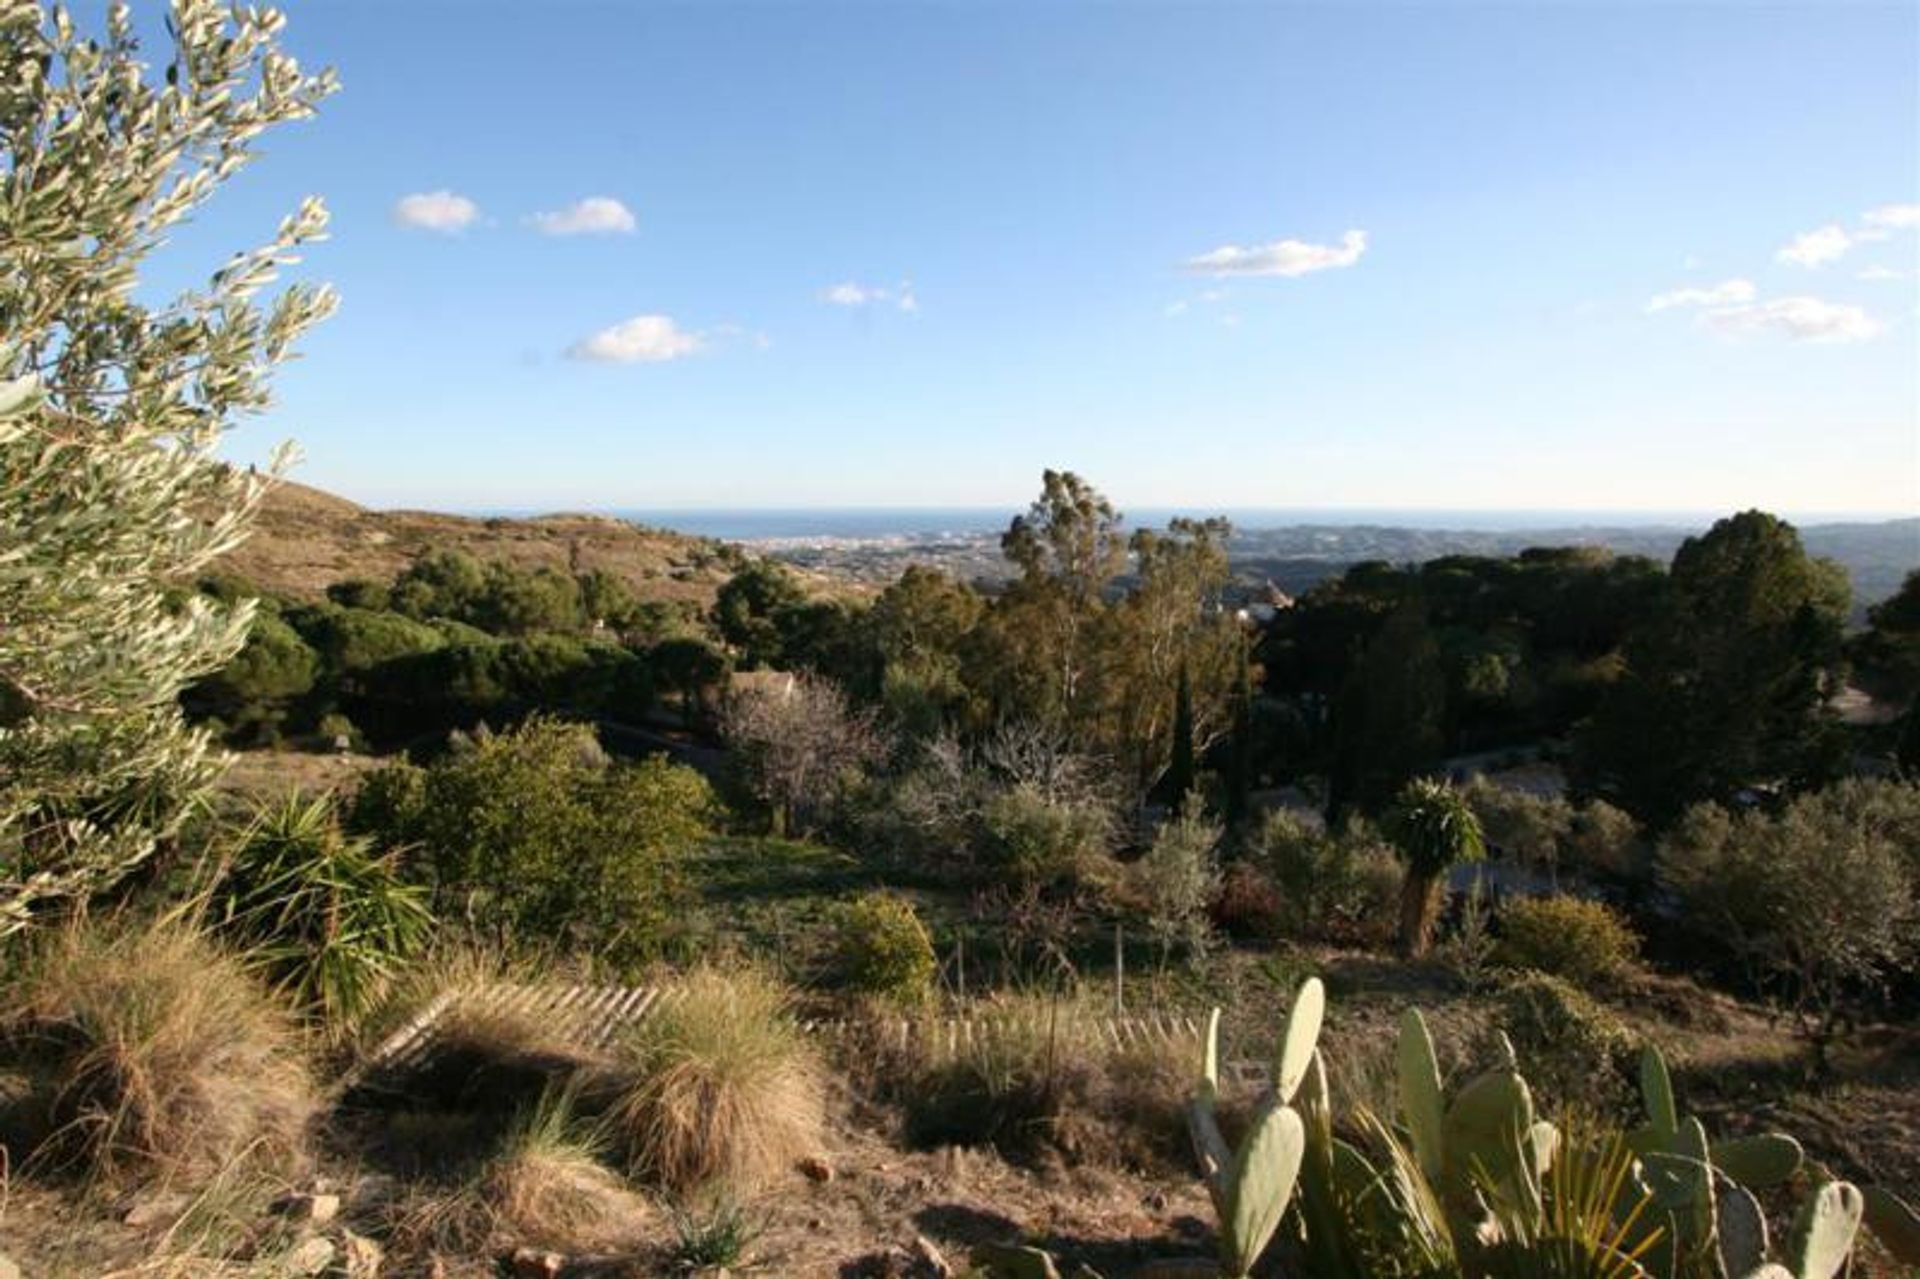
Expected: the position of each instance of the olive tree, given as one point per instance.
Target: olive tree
(1818, 901)
(111, 408)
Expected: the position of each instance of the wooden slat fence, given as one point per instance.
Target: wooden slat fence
(593, 1016)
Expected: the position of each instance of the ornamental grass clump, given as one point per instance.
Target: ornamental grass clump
(718, 1086)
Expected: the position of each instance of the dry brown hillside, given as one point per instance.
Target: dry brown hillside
(306, 539)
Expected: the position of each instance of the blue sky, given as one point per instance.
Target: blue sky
(1251, 255)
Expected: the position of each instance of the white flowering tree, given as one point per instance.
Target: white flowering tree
(111, 407)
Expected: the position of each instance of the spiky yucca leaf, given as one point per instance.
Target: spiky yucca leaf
(324, 915)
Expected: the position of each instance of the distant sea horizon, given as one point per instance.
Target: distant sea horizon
(754, 524)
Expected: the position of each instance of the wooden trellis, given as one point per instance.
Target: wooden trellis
(592, 1017)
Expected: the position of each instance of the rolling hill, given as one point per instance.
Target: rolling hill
(306, 539)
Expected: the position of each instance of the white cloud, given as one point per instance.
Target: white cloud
(1802, 319)
(595, 215)
(645, 339)
(1282, 257)
(1814, 248)
(854, 294)
(1894, 217)
(1881, 273)
(443, 211)
(1722, 294)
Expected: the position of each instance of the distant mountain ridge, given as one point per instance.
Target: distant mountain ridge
(306, 539)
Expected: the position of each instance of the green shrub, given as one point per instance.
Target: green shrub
(1039, 840)
(334, 728)
(1576, 1051)
(1584, 941)
(1176, 878)
(353, 641)
(1527, 828)
(1818, 899)
(920, 818)
(317, 910)
(884, 949)
(1341, 885)
(271, 670)
(534, 836)
(1248, 906)
(1605, 840)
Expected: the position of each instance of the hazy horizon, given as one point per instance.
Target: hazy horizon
(853, 521)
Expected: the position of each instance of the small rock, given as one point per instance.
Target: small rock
(928, 1259)
(817, 1169)
(8, 1269)
(363, 1257)
(311, 1256)
(316, 1209)
(1156, 1201)
(816, 1223)
(372, 1191)
(154, 1210)
(532, 1263)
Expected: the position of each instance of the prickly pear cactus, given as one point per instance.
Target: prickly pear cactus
(1823, 1231)
(1251, 1187)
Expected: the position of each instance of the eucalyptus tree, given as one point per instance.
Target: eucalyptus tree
(1069, 550)
(112, 404)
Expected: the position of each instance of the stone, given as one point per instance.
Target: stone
(317, 1209)
(533, 1263)
(817, 1169)
(8, 1268)
(362, 1257)
(154, 1210)
(928, 1261)
(311, 1256)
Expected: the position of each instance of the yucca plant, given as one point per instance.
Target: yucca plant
(1431, 827)
(319, 911)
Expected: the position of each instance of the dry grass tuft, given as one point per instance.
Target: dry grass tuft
(545, 1188)
(719, 1086)
(548, 1187)
(149, 1053)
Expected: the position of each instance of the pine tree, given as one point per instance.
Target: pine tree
(110, 412)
